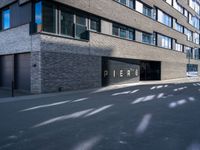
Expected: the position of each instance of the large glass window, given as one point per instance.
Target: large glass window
(67, 23)
(49, 17)
(164, 18)
(81, 27)
(38, 13)
(6, 19)
(164, 41)
(55, 18)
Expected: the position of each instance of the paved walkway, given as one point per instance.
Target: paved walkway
(6, 94)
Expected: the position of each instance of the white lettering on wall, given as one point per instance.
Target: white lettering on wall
(121, 73)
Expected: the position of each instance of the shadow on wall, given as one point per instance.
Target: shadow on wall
(69, 66)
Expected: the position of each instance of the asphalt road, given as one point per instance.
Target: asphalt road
(145, 117)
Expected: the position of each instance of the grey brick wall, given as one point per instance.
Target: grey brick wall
(36, 72)
(69, 71)
(16, 40)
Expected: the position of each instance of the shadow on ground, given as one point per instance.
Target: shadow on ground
(153, 117)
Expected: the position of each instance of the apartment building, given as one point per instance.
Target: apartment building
(56, 45)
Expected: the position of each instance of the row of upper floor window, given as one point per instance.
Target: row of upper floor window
(155, 39)
(195, 5)
(72, 23)
(64, 21)
(67, 22)
(162, 17)
(192, 20)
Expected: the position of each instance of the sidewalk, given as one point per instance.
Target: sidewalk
(171, 81)
(8, 93)
(5, 95)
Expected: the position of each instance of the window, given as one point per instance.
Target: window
(81, 27)
(192, 68)
(178, 47)
(144, 9)
(148, 38)
(95, 24)
(188, 51)
(164, 41)
(123, 32)
(194, 4)
(123, 1)
(177, 6)
(128, 3)
(131, 4)
(131, 34)
(139, 6)
(67, 23)
(6, 19)
(185, 13)
(115, 30)
(147, 11)
(188, 33)
(178, 27)
(196, 38)
(38, 13)
(194, 21)
(164, 18)
(196, 53)
(49, 17)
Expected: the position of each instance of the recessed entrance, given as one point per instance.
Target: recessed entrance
(150, 70)
(115, 70)
(15, 68)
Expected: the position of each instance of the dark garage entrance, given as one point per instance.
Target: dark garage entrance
(15, 68)
(115, 70)
(22, 71)
(150, 70)
(6, 70)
